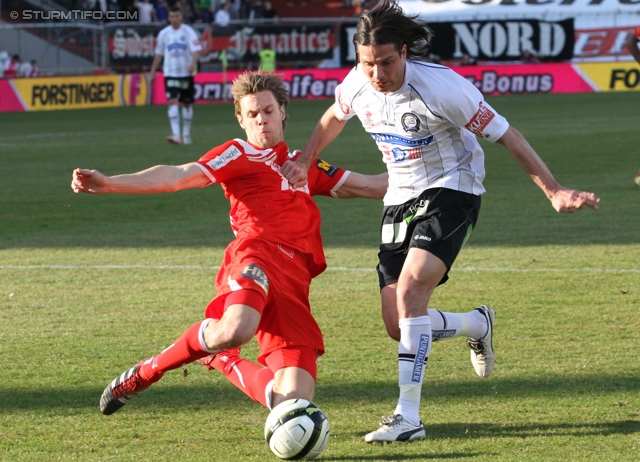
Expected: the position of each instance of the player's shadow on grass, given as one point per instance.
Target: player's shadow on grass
(221, 394)
(398, 454)
(464, 430)
(484, 390)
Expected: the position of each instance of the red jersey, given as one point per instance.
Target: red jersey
(263, 205)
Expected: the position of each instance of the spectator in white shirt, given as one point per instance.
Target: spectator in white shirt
(29, 69)
(222, 17)
(146, 11)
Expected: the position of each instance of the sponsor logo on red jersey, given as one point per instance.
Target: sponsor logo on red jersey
(229, 154)
(326, 167)
(253, 271)
(480, 120)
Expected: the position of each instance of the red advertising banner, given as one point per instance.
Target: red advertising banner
(301, 84)
(131, 89)
(606, 44)
(9, 99)
(526, 78)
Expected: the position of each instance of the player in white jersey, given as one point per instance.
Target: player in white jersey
(424, 119)
(179, 46)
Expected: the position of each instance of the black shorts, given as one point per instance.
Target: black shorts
(439, 221)
(182, 88)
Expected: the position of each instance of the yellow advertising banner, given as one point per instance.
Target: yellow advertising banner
(619, 76)
(82, 92)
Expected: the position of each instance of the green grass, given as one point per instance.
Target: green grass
(91, 284)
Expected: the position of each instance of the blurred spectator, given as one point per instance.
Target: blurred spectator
(223, 16)
(527, 57)
(146, 11)
(29, 69)
(632, 43)
(11, 67)
(467, 60)
(126, 5)
(162, 11)
(256, 10)
(203, 9)
(113, 5)
(269, 12)
(188, 10)
(234, 8)
(245, 9)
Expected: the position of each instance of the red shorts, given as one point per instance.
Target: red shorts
(279, 274)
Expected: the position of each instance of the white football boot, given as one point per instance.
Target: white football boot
(393, 429)
(186, 139)
(174, 139)
(482, 356)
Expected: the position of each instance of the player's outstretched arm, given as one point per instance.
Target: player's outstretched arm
(366, 186)
(158, 179)
(327, 129)
(563, 199)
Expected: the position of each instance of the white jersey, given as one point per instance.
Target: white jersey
(177, 47)
(425, 130)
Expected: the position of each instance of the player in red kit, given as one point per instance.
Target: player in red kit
(263, 283)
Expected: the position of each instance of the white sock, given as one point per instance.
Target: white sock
(187, 116)
(268, 394)
(174, 120)
(446, 325)
(413, 352)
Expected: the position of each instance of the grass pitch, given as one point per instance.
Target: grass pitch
(91, 284)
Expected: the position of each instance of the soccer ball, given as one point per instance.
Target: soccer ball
(637, 179)
(296, 429)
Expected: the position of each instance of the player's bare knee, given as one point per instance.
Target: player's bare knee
(221, 336)
(294, 390)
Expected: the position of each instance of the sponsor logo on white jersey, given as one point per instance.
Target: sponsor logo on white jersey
(401, 140)
(480, 120)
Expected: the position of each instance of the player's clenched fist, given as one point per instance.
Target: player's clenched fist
(295, 172)
(88, 181)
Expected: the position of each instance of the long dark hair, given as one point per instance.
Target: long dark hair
(386, 23)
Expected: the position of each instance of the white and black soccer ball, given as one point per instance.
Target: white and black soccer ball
(296, 429)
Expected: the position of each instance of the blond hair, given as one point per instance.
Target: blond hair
(250, 83)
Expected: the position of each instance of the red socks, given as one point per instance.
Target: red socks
(252, 379)
(184, 350)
